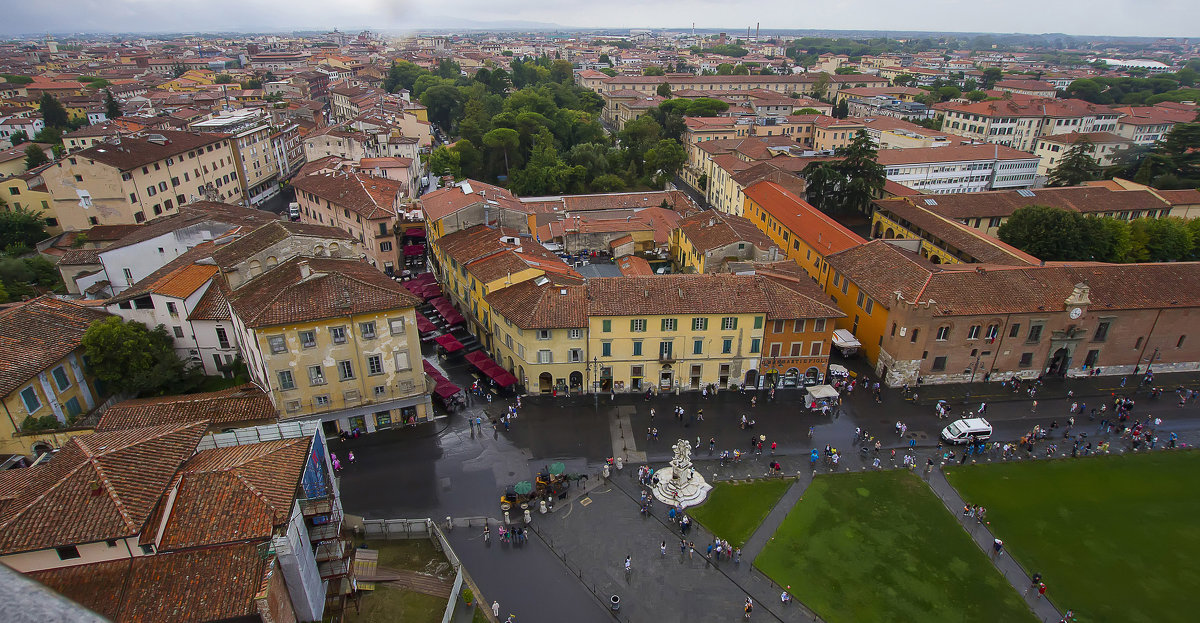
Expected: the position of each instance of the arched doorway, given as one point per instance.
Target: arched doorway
(812, 376)
(771, 378)
(545, 382)
(933, 259)
(666, 377)
(791, 378)
(875, 230)
(751, 378)
(1059, 362)
(576, 380)
(890, 233)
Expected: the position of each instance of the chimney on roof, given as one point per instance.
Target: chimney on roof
(305, 269)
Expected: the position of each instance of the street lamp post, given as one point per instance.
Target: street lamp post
(595, 370)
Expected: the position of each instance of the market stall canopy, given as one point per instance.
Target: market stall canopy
(446, 389)
(448, 342)
(424, 325)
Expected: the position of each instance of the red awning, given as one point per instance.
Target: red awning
(476, 357)
(446, 389)
(430, 290)
(505, 379)
(413, 250)
(453, 318)
(415, 232)
(423, 278)
(423, 324)
(448, 342)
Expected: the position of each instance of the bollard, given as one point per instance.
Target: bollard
(542, 507)
(615, 600)
(528, 517)
(620, 464)
(449, 524)
(507, 519)
(606, 472)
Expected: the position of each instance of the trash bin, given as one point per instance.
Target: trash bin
(615, 600)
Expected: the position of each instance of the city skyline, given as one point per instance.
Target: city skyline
(1175, 18)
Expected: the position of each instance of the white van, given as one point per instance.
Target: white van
(294, 211)
(963, 431)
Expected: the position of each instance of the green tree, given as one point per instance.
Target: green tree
(609, 71)
(605, 59)
(442, 102)
(991, 76)
(34, 157)
(1076, 165)
(607, 183)
(808, 111)
(823, 183)
(821, 85)
(53, 113)
(653, 70)
(741, 70)
(21, 227)
(178, 69)
(18, 137)
(664, 90)
(1048, 233)
(863, 176)
(664, 161)
(1160, 239)
(112, 108)
(904, 80)
(977, 95)
(224, 79)
(448, 69)
(444, 161)
(705, 107)
(504, 140)
(725, 69)
(841, 110)
(131, 358)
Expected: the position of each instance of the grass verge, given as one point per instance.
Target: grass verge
(734, 510)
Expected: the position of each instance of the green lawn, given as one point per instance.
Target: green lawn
(733, 510)
(1114, 537)
(879, 546)
(388, 605)
(411, 554)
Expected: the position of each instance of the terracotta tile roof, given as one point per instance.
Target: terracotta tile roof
(1070, 138)
(712, 229)
(721, 293)
(246, 245)
(138, 151)
(193, 214)
(367, 195)
(97, 487)
(252, 487)
(676, 200)
(335, 287)
(446, 201)
(36, 334)
(976, 245)
(243, 403)
(205, 584)
(950, 153)
(1189, 196)
(818, 230)
(180, 267)
(1032, 107)
(880, 269)
(1001, 203)
(533, 306)
(1028, 85)
(80, 257)
(212, 304)
(634, 266)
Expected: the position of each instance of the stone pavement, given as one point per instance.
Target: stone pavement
(1057, 388)
(593, 536)
(983, 537)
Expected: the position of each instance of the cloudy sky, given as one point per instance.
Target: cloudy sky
(1178, 18)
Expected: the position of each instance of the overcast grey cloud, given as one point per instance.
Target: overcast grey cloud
(1175, 18)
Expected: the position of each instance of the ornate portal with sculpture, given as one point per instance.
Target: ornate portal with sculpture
(679, 484)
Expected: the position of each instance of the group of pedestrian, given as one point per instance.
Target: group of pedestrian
(337, 463)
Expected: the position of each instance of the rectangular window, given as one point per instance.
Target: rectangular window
(575, 334)
(69, 552)
(575, 355)
(308, 339)
(367, 329)
(637, 325)
(797, 349)
(60, 378)
(606, 326)
(669, 324)
(545, 356)
(943, 334)
(1026, 360)
(815, 348)
(316, 375)
(1101, 332)
(699, 324)
(322, 400)
(396, 325)
(666, 350)
(178, 331)
(726, 346)
(758, 322)
(380, 391)
(338, 335)
(402, 362)
(374, 365)
(799, 325)
(277, 343)
(171, 309)
(637, 348)
(30, 397)
(543, 334)
(870, 306)
(861, 297)
(913, 337)
(1014, 330)
(1035, 333)
(697, 347)
(385, 246)
(777, 326)
(286, 381)
(755, 345)
(819, 325)
(222, 337)
(939, 363)
(345, 370)
(606, 349)
(973, 332)
(729, 323)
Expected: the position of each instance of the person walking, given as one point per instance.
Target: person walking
(1041, 590)
(628, 566)
(997, 548)
(1036, 580)
(663, 549)
(748, 608)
